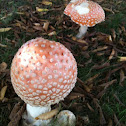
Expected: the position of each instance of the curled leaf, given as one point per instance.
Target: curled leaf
(2, 92)
(45, 26)
(41, 9)
(52, 33)
(112, 54)
(47, 3)
(2, 45)
(4, 29)
(48, 115)
(122, 58)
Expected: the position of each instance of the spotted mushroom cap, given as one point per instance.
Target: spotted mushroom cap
(69, 7)
(43, 72)
(86, 13)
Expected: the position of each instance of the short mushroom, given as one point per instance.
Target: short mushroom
(85, 13)
(43, 72)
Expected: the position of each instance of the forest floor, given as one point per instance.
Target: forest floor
(99, 97)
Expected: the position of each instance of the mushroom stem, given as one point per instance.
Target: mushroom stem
(33, 112)
(82, 31)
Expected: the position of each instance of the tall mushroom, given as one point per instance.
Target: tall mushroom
(43, 72)
(85, 13)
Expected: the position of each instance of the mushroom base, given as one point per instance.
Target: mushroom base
(82, 31)
(32, 112)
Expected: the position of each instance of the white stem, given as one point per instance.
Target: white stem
(33, 112)
(82, 31)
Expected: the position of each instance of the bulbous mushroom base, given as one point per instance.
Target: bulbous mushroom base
(32, 112)
(66, 118)
(82, 31)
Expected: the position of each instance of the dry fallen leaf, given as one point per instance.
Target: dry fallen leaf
(45, 26)
(14, 110)
(48, 115)
(112, 54)
(122, 77)
(4, 29)
(107, 84)
(52, 33)
(100, 49)
(2, 92)
(41, 9)
(3, 66)
(75, 95)
(122, 58)
(47, 3)
(90, 108)
(87, 89)
(116, 120)
(15, 120)
(2, 45)
(110, 122)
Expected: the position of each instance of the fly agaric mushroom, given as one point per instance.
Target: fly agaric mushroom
(43, 72)
(85, 13)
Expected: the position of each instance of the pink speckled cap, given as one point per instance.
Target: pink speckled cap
(86, 13)
(43, 72)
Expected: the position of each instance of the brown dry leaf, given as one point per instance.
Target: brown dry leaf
(52, 33)
(100, 94)
(39, 28)
(123, 28)
(45, 26)
(2, 45)
(122, 58)
(87, 89)
(48, 115)
(90, 108)
(84, 48)
(103, 38)
(102, 118)
(91, 79)
(5, 29)
(75, 95)
(113, 71)
(110, 122)
(14, 111)
(122, 77)
(97, 67)
(15, 120)
(115, 96)
(116, 120)
(106, 85)
(121, 42)
(113, 34)
(3, 66)
(47, 3)
(108, 10)
(2, 92)
(20, 13)
(82, 41)
(41, 9)
(112, 54)
(100, 49)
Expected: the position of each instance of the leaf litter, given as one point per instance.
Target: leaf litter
(42, 21)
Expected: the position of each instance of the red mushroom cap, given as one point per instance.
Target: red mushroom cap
(43, 72)
(86, 13)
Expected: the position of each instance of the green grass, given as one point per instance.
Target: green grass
(108, 102)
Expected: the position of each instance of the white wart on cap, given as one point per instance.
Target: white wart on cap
(43, 72)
